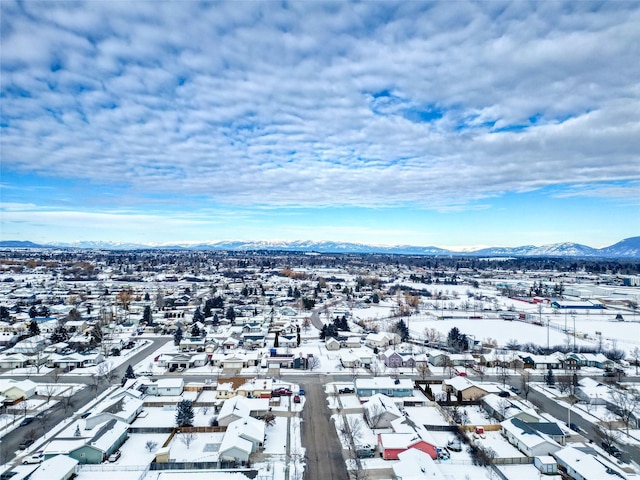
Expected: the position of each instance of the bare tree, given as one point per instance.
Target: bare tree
(107, 371)
(423, 371)
(151, 445)
(635, 354)
(374, 414)
(67, 402)
(432, 336)
(525, 384)
(607, 430)
(306, 324)
(564, 383)
(481, 370)
(187, 439)
(625, 406)
(313, 363)
(49, 391)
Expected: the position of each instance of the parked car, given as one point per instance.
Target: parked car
(26, 443)
(574, 427)
(365, 453)
(26, 421)
(37, 457)
(611, 449)
(296, 399)
(281, 392)
(172, 368)
(8, 475)
(301, 392)
(454, 445)
(346, 390)
(504, 393)
(115, 456)
(515, 390)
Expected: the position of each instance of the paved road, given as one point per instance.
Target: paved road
(58, 413)
(319, 437)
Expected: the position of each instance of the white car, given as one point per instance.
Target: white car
(37, 457)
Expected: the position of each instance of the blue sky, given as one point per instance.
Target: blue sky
(449, 124)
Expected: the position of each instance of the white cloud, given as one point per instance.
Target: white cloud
(251, 104)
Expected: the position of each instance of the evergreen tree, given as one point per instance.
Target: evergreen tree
(402, 330)
(147, 316)
(184, 414)
(231, 314)
(207, 309)
(4, 313)
(195, 330)
(198, 316)
(550, 378)
(129, 373)
(177, 337)
(34, 329)
(33, 313)
(216, 320)
(60, 334)
(96, 335)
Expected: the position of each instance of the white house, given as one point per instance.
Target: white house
(582, 464)
(380, 411)
(414, 464)
(170, 387)
(529, 441)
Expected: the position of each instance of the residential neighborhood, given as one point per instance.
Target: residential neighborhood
(161, 365)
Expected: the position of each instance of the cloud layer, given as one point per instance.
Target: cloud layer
(320, 104)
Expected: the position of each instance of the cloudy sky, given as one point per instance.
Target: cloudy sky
(452, 124)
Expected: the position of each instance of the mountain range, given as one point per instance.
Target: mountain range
(628, 248)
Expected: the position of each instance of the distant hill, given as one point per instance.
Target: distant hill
(627, 248)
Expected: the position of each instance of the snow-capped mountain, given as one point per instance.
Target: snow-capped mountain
(628, 248)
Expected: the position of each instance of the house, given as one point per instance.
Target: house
(504, 408)
(592, 392)
(391, 358)
(256, 388)
(463, 388)
(124, 406)
(60, 467)
(380, 411)
(401, 387)
(377, 340)
(239, 407)
(440, 359)
(242, 438)
(170, 387)
(92, 449)
(543, 362)
(392, 444)
(527, 439)
(332, 344)
(13, 360)
(582, 463)
(16, 390)
(414, 464)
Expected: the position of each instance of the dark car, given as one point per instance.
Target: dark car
(515, 390)
(345, 390)
(504, 393)
(25, 444)
(7, 475)
(611, 449)
(26, 421)
(574, 427)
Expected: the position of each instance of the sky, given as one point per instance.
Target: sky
(452, 124)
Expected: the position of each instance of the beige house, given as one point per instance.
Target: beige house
(463, 388)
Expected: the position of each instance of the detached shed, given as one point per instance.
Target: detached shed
(546, 464)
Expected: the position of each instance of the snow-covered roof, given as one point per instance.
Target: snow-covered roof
(383, 382)
(55, 468)
(414, 464)
(587, 464)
